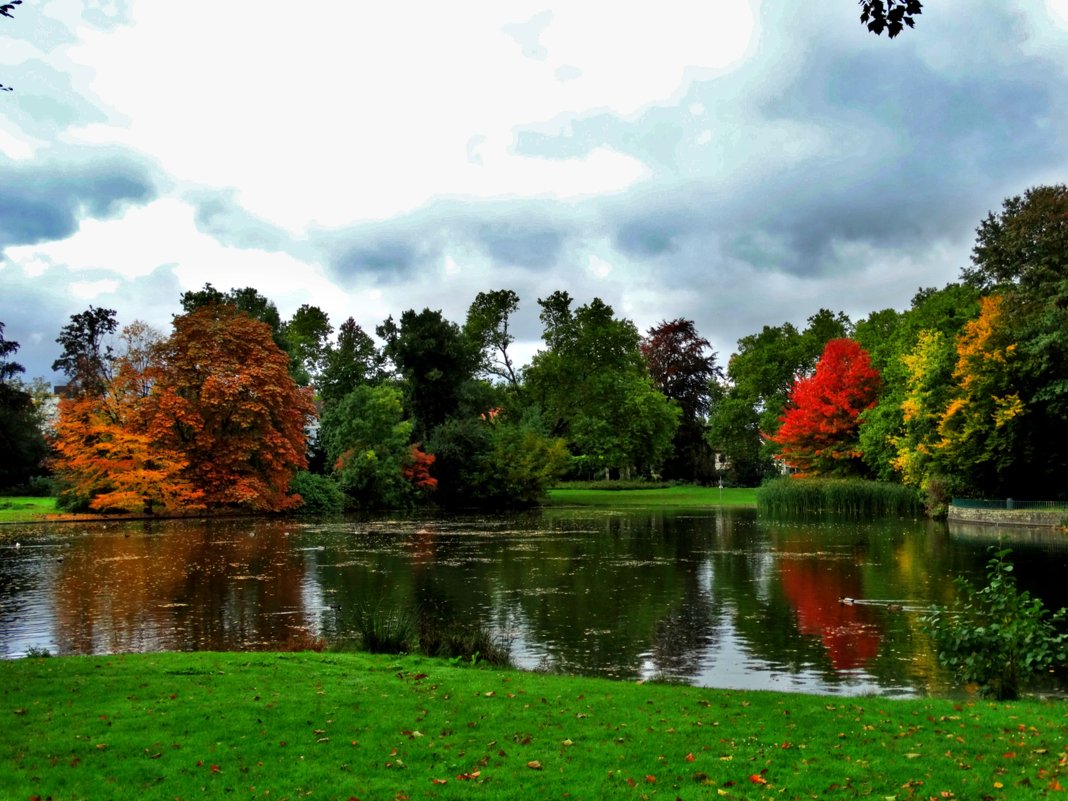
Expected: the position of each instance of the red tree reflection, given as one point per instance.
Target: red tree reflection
(814, 588)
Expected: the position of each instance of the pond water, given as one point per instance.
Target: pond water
(717, 598)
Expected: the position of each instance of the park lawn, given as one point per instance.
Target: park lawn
(344, 726)
(680, 496)
(20, 509)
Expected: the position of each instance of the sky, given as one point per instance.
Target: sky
(739, 163)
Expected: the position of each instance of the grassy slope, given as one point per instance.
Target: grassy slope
(21, 509)
(332, 726)
(682, 496)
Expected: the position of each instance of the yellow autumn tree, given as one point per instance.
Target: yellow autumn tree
(977, 430)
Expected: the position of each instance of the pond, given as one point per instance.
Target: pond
(717, 598)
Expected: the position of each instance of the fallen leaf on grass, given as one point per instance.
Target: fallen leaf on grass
(440, 781)
(690, 757)
(467, 777)
(756, 778)
(534, 764)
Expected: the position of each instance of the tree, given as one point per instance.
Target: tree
(22, 440)
(105, 455)
(367, 441)
(226, 402)
(760, 374)
(980, 425)
(819, 429)
(353, 360)
(306, 334)
(435, 360)
(683, 366)
(594, 389)
(1022, 255)
(889, 15)
(487, 326)
(87, 353)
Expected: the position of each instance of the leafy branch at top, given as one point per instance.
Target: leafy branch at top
(891, 15)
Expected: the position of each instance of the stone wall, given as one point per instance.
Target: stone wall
(1010, 517)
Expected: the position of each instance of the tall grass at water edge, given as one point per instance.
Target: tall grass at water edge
(808, 496)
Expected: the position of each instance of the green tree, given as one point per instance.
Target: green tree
(87, 352)
(367, 442)
(351, 361)
(306, 335)
(594, 389)
(1021, 253)
(22, 441)
(487, 324)
(435, 361)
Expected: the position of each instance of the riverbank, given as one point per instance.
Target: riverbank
(43, 510)
(682, 496)
(343, 726)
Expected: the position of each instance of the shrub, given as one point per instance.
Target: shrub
(321, 494)
(997, 636)
(385, 631)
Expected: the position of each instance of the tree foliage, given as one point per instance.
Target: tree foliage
(819, 429)
(594, 389)
(998, 636)
(367, 443)
(683, 367)
(106, 457)
(487, 327)
(87, 351)
(435, 360)
(227, 402)
(22, 440)
(889, 15)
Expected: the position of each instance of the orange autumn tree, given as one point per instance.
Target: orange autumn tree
(103, 454)
(819, 432)
(225, 400)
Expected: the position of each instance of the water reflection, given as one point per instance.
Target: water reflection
(718, 598)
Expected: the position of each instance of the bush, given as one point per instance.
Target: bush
(321, 494)
(997, 636)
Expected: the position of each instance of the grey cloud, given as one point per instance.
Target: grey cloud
(47, 201)
(525, 234)
(220, 216)
(35, 308)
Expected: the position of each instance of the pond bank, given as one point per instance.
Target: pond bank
(170, 725)
(1032, 518)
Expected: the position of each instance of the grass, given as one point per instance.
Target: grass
(677, 496)
(805, 496)
(344, 726)
(20, 509)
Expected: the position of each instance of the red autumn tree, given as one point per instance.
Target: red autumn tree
(818, 435)
(226, 402)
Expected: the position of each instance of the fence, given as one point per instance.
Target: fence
(1008, 503)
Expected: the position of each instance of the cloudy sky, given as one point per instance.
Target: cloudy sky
(735, 162)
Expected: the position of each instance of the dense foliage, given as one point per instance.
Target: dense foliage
(998, 636)
(965, 392)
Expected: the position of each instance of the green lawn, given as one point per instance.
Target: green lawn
(681, 496)
(21, 509)
(344, 726)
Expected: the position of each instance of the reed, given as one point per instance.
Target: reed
(857, 497)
